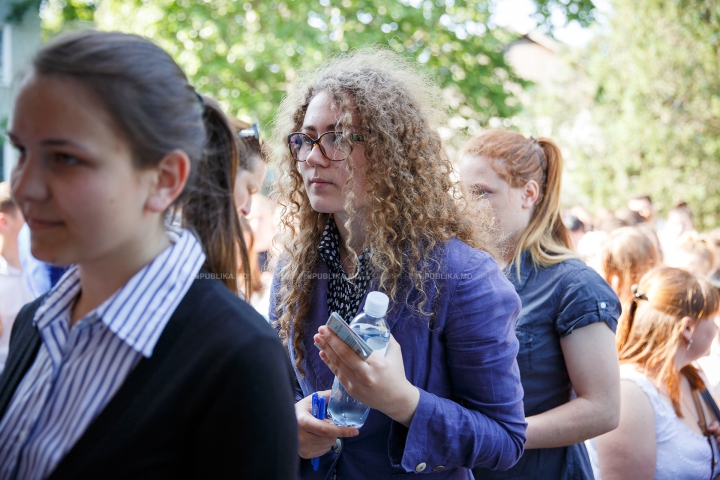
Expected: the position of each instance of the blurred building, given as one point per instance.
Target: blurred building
(18, 44)
(534, 57)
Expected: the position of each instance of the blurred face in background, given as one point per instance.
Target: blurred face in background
(247, 184)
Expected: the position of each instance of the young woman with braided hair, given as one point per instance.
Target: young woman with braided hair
(665, 431)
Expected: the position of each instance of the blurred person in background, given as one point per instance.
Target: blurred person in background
(666, 431)
(625, 256)
(679, 222)
(576, 229)
(693, 253)
(249, 178)
(642, 204)
(567, 358)
(628, 218)
(713, 240)
(13, 292)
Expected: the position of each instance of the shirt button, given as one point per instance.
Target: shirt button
(603, 305)
(438, 468)
(420, 467)
(337, 448)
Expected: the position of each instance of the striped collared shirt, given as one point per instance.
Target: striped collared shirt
(77, 371)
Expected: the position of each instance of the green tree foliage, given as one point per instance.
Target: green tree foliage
(245, 53)
(643, 116)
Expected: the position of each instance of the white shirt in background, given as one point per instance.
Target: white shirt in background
(13, 295)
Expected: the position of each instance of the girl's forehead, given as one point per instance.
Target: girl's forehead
(50, 105)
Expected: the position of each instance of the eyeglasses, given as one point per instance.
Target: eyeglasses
(252, 132)
(335, 146)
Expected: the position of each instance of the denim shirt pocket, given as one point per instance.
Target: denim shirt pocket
(525, 336)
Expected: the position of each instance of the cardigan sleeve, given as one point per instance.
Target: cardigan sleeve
(483, 423)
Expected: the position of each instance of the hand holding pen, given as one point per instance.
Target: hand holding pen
(316, 437)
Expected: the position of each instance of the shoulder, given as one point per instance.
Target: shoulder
(459, 256)
(580, 296)
(212, 314)
(474, 278)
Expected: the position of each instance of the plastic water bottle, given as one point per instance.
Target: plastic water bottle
(371, 327)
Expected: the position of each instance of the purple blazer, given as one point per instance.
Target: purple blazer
(463, 362)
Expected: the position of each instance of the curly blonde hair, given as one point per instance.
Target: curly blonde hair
(412, 202)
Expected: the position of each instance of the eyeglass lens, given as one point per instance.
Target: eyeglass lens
(332, 144)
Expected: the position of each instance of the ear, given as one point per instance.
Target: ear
(530, 194)
(688, 326)
(171, 176)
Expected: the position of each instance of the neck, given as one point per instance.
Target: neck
(683, 358)
(101, 278)
(356, 242)
(356, 227)
(9, 251)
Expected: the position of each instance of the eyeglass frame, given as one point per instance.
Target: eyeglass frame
(353, 137)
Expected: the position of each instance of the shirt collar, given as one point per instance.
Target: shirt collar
(138, 312)
(526, 264)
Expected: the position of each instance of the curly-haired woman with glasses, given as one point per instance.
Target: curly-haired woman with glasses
(367, 204)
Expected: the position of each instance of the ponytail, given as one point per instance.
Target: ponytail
(210, 209)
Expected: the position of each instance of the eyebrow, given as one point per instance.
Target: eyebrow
(328, 128)
(51, 142)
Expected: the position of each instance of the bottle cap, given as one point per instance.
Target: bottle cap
(376, 304)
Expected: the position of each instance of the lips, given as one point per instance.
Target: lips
(37, 224)
(319, 182)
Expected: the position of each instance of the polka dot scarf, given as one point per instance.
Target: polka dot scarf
(344, 295)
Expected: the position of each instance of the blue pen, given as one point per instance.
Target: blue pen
(321, 416)
(315, 462)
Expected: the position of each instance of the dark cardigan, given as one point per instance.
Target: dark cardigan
(215, 400)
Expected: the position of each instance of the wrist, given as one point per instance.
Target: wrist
(405, 405)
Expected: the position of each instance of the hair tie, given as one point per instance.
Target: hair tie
(532, 139)
(637, 294)
(199, 97)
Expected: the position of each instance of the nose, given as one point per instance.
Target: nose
(27, 180)
(248, 205)
(316, 158)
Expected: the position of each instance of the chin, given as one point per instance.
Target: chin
(52, 254)
(325, 207)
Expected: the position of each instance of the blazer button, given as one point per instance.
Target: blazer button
(438, 468)
(420, 467)
(337, 448)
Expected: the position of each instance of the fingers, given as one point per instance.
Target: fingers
(337, 352)
(324, 428)
(315, 436)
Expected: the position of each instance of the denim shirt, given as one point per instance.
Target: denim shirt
(555, 301)
(464, 364)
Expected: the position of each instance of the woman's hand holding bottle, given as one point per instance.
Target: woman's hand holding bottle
(379, 382)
